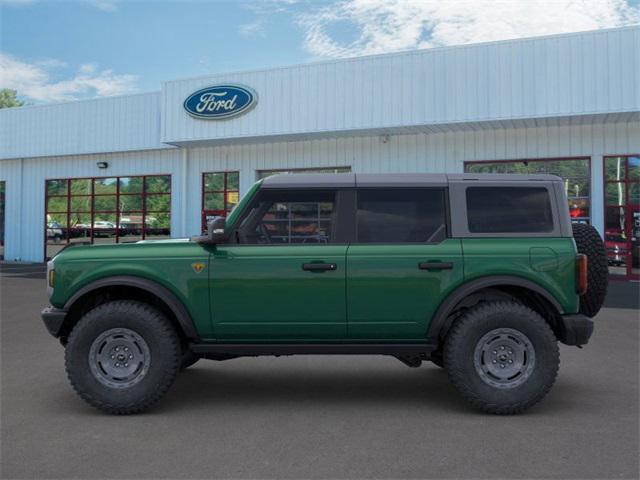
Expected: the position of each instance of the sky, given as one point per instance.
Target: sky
(54, 50)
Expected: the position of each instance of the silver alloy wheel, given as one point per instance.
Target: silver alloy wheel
(119, 358)
(504, 358)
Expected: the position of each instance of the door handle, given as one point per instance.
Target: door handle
(435, 265)
(319, 267)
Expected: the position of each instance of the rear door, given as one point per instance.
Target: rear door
(286, 279)
(402, 263)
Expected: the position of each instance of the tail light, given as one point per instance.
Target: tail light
(581, 274)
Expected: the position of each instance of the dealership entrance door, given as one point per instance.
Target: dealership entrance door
(2, 220)
(622, 215)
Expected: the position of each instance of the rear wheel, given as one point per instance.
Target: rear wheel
(122, 356)
(502, 357)
(588, 242)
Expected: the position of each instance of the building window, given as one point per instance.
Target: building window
(106, 210)
(220, 194)
(622, 214)
(267, 173)
(2, 187)
(575, 172)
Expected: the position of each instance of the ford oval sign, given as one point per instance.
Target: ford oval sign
(220, 102)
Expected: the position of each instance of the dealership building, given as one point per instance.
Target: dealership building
(158, 164)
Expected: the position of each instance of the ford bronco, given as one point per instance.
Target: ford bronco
(482, 275)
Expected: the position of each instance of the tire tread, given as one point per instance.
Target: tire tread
(164, 328)
(454, 358)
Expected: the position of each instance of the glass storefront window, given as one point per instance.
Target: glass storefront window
(574, 171)
(220, 194)
(106, 210)
(2, 188)
(622, 215)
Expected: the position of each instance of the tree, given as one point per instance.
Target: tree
(8, 98)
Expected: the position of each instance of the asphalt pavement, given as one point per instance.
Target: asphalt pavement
(315, 417)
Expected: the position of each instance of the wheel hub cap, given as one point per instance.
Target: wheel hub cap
(504, 358)
(119, 358)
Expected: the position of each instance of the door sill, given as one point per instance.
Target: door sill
(270, 349)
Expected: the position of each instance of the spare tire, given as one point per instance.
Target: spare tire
(588, 242)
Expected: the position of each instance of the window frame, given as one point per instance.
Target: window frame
(204, 212)
(459, 216)
(3, 216)
(447, 217)
(589, 218)
(91, 212)
(340, 234)
(547, 207)
(629, 275)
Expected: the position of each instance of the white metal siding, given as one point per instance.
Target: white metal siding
(436, 152)
(112, 124)
(25, 191)
(558, 76)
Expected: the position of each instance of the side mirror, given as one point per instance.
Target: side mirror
(215, 230)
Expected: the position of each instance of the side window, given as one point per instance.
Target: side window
(509, 210)
(291, 217)
(401, 216)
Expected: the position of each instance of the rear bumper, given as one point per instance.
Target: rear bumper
(53, 319)
(575, 329)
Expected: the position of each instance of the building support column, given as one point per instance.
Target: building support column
(597, 193)
(184, 193)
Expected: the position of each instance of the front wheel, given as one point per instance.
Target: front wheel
(502, 356)
(122, 356)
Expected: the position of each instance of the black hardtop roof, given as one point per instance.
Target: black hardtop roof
(346, 180)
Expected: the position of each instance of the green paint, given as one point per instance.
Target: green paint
(261, 292)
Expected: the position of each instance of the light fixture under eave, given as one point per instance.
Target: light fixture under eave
(102, 164)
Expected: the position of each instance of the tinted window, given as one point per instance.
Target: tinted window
(509, 210)
(401, 216)
(291, 217)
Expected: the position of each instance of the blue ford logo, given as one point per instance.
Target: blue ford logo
(220, 101)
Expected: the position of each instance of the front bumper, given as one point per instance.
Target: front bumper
(575, 329)
(53, 319)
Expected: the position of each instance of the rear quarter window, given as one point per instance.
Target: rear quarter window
(509, 210)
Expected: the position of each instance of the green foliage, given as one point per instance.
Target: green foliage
(8, 98)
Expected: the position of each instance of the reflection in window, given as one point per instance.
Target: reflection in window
(220, 194)
(622, 214)
(268, 173)
(106, 210)
(574, 172)
(509, 210)
(292, 217)
(2, 187)
(400, 216)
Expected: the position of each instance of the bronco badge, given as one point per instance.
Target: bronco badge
(197, 267)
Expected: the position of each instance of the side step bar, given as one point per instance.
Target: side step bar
(259, 349)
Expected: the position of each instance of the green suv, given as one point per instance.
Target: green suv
(480, 274)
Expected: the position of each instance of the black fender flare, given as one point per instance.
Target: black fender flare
(175, 305)
(440, 321)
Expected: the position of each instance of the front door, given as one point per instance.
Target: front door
(402, 264)
(286, 278)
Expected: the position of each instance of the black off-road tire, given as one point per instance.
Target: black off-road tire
(188, 359)
(588, 242)
(161, 343)
(467, 334)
